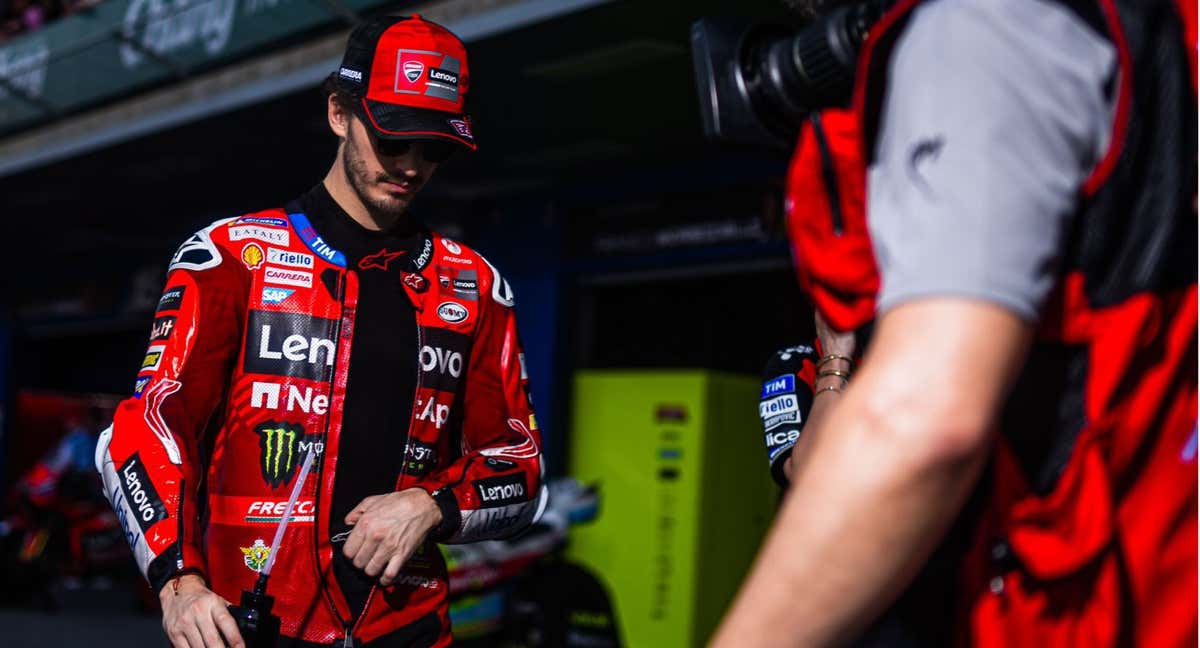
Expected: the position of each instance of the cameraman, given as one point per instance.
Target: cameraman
(1011, 197)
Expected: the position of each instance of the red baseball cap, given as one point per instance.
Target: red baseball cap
(407, 78)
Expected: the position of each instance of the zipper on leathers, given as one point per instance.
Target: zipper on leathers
(828, 175)
(337, 332)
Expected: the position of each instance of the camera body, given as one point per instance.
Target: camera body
(757, 81)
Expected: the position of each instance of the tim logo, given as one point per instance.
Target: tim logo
(282, 448)
(413, 70)
(785, 384)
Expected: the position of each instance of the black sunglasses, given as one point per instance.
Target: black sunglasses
(437, 151)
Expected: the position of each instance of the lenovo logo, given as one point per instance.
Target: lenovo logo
(290, 344)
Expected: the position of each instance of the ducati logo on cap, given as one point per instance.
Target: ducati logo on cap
(413, 70)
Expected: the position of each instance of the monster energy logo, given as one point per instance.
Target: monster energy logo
(283, 446)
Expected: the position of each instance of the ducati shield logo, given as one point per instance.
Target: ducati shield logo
(413, 70)
(282, 447)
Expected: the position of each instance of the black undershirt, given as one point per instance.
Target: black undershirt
(382, 374)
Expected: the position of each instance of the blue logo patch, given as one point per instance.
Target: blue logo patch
(140, 386)
(263, 220)
(275, 295)
(785, 384)
(315, 242)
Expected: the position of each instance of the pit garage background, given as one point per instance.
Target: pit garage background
(640, 255)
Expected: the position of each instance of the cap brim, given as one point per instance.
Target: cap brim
(395, 122)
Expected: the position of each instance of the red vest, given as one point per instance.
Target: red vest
(1083, 530)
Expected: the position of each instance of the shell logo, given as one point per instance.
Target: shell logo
(252, 256)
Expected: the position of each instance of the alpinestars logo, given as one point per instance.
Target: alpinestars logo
(282, 448)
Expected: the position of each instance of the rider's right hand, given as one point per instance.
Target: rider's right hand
(196, 617)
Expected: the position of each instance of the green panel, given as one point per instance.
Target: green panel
(684, 496)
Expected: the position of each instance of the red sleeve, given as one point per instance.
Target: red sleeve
(495, 488)
(149, 458)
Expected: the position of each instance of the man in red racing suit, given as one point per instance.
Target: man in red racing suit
(250, 366)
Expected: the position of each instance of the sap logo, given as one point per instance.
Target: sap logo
(444, 76)
(501, 491)
(413, 70)
(785, 384)
(353, 75)
(264, 395)
(778, 405)
(289, 258)
(451, 312)
(289, 344)
(779, 438)
(140, 494)
(162, 328)
(276, 236)
(275, 295)
(287, 277)
(431, 410)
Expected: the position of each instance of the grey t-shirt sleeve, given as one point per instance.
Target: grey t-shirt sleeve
(995, 113)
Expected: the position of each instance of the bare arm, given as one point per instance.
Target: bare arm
(882, 475)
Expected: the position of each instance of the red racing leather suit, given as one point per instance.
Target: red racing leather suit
(247, 371)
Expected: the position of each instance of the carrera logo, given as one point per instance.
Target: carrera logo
(289, 344)
(442, 76)
(286, 277)
(413, 70)
(451, 312)
(139, 492)
(162, 328)
(277, 256)
(500, 491)
(265, 395)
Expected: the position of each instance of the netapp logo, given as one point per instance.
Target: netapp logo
(443, 76)
(139, 492)
(443, 358)
(265, 395)
(501, 491)
(289, 344)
